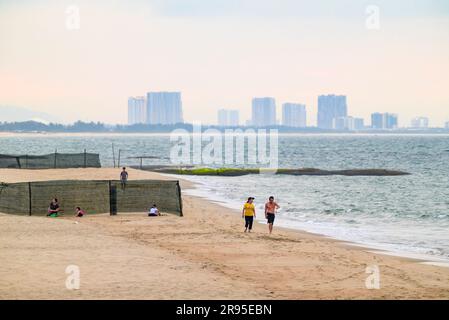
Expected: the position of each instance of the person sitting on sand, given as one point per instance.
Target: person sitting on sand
(270, 211)
(53, 208)
(249, 213)
(154, 211)
(79, 213)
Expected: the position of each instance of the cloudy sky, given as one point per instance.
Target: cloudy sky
(221, 53)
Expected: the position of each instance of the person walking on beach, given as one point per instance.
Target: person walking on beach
(249, 213)
(270, 211)
(123, 178)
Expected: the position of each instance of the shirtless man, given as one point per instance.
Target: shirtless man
(270, 211)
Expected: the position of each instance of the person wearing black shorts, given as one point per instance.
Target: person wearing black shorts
(270, 218)
(270, 212)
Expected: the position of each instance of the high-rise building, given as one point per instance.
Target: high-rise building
(420, 123)
(342, 123)
(228, 118)
(263, 112)
(392, 120)
(234, 118)
(294, 115)
(377, 121)
(164, 108)
(330, 107)
(384, 121)
(446, 125)
(348, 123)
(359, 124)
(136, 110)
(222, 117)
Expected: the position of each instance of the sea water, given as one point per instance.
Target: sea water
(402, 214)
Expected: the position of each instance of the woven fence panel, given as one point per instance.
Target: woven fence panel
(93, 196)
(139, 195)
(52, 160)
(14, 198)
(77, 160)
(9, 162)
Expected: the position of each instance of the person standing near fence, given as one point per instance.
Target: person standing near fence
(123, 177)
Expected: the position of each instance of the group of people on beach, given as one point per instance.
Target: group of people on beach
(249, 213)
(54, 209)
(153, 211)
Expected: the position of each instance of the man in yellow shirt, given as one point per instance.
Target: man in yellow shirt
(249, 213)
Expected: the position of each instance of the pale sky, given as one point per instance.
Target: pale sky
(222, 53)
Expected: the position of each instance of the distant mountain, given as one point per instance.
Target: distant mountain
(19, 114)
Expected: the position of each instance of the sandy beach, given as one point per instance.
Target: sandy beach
(203, 255)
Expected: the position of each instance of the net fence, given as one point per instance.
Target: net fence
(93, 196)
(52, 160)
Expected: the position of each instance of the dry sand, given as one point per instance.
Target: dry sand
(203, 255)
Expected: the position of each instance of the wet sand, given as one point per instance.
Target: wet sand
(203, 255)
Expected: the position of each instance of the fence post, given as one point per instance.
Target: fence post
(85, 160)
(18, 162)
(30, 202)
(113, 153)
(118, 164)
(112, 199)
(56, 150)
(178, 187)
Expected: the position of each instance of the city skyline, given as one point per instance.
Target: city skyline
(87, 72)
(165, 108)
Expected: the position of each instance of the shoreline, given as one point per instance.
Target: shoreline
(376, 249)
(202, 255)
(8, 134)
(192, 185)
